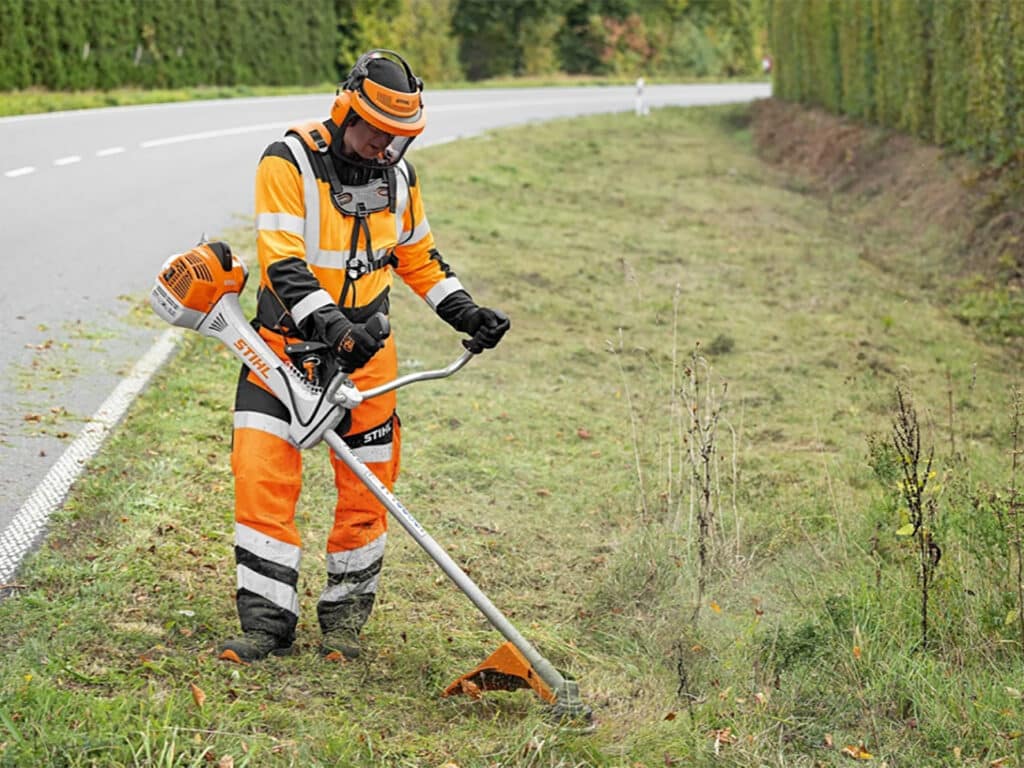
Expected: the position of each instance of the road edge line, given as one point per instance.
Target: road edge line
(27, 526)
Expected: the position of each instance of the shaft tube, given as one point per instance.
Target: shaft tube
(543, 667)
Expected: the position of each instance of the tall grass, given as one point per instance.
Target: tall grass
(691, 336)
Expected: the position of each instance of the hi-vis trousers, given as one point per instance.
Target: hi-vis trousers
(268, 478)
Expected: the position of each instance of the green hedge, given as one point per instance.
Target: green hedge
(74, 45)
(101, 44)
(947, 71)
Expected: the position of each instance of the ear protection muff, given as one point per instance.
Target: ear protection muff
(396, 112)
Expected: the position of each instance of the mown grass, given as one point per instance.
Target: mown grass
(654, 271)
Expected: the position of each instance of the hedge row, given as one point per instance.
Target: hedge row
(85, 44)
(68, 45)
(948, 71)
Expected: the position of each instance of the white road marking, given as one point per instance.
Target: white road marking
(68, 160)
(109, 151)
(219, 133)
(29, 523)
(20, 172)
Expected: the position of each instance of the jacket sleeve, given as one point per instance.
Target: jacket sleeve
(419, 262)
(281, 249)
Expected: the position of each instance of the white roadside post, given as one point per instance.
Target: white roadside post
(641, 104)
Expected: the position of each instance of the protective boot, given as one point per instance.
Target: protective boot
(341, 624)
(267, 629)
(254, 645)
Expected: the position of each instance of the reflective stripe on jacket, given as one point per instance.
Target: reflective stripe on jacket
(304, 243)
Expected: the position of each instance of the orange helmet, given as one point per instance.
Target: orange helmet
(382, 90)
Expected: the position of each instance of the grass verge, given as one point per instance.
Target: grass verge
(37, 100)
(673, 476)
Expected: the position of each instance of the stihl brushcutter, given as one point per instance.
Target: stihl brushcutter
(199, 290)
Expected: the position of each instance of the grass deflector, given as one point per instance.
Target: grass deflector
(199, 290)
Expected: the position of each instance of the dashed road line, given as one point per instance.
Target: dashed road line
(20, 172)
(70, 159)
(109, 151)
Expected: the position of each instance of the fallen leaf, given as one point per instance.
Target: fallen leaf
(827, 741)
(226, 762)
(716, 607)
(33, 417)
(197, 695)
(722, 736)
(857, 753)
(584, 434)
(856, 651)
(471, 689)
(230, 655)
(670, 716)
(543, 492)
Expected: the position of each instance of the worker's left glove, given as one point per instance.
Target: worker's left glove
(486, 326)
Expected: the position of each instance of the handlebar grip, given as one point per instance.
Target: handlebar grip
(378, 326)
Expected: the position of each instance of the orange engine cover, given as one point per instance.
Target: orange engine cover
(198, 279)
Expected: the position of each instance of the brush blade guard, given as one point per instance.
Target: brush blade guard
(504, 670)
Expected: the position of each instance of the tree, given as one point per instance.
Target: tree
(495, 37)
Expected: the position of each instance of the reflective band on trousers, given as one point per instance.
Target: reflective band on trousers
(370, 454)
(343, 591)
(262, 422)
(279, 594)
(267, 548)
(358, 559)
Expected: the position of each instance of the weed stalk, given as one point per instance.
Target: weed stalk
(703, 415)
(907, 442)
(1015, 508)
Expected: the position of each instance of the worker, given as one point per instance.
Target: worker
(339, 212)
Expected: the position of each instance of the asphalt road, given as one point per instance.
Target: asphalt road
(92, 202)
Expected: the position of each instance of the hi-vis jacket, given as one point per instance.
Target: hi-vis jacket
(315, 250)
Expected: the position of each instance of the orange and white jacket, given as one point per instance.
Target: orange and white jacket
(313, 256)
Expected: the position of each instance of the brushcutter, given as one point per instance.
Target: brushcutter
(199, 290)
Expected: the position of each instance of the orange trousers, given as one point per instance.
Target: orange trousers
(268, 479)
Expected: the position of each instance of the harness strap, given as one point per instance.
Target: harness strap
(351, 201)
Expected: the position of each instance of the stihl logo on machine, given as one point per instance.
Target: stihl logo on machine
(253, 360)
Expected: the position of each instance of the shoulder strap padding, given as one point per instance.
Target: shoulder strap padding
(314, 135)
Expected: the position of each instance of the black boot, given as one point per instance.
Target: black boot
(254, 645)
(267, 629)
(341, 624)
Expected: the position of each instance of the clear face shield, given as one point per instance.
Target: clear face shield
(396, 150)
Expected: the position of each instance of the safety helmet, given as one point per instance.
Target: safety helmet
(382, 90)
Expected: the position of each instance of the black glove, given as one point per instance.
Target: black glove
(486, 326)
(352, 343)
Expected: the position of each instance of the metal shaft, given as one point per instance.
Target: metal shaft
(547, 672)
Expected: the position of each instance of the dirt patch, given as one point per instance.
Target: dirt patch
(868, 170)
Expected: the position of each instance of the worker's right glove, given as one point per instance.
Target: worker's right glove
(352, 343)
